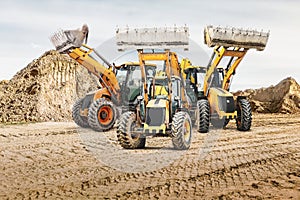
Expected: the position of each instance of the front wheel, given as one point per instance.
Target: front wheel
(244, 115)
(203, 114)
(78, 119)
(181, 130)
(102, 115)
(127, 137)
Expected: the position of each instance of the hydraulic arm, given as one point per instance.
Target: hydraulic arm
(106, 75)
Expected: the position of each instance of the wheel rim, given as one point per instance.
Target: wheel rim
(132, 135)
(187, 131)
(105, 115)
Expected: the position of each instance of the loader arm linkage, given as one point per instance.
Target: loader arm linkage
(71, 42)
(220, 52)
(106, 75)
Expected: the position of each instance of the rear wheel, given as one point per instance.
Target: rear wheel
(102, 115)
(181, 130)
(78, 119)
(244, 115)
(127, 138)
(203, 116)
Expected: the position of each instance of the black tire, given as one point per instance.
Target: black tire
(181, 130)
(203, 116)
(124, 133)
(244, 115)
(102, 115)
(119, 113)
(78, 119)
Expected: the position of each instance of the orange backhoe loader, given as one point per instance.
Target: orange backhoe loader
(98, 109)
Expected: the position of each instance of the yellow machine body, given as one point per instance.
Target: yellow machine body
(222, 103)
(158, 121)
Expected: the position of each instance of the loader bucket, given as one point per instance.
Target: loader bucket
(234, 37)
(152, 38)
(65, 40)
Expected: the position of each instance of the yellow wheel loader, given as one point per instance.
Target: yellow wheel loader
(98, 109)
(230, 46)
(163, 109)
(200, 110)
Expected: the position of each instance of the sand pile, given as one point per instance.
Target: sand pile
(44, 90)
(283, 97)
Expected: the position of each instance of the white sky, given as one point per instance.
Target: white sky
(26, 25)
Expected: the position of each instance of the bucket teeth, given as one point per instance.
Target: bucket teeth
(234, 37)
(60, 41)
(64, 40)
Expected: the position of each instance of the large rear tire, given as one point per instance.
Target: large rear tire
(102, 115)
(78, 119)
(203, 115)
(127, 139)
(244, 115)
(181, 130)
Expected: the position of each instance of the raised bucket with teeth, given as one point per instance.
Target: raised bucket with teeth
(66, 40)
(152, 38)
(61, 41)
(234, 37)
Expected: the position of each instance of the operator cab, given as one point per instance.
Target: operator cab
(159, 88)
(194, 81)
(130, 78)
(217, 77)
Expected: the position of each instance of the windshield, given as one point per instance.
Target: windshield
(200, 81)
(175, 88)
(135, 76)
(150, 70)
(121, 75)
(217, 78)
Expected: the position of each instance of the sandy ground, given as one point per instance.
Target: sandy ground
(61, 161)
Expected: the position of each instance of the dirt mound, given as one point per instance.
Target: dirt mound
(283, 97)
(44, 90)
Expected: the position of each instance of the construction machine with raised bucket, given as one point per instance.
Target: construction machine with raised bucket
(230, 46)
(163, 109)
(193, 76)
(98, 109)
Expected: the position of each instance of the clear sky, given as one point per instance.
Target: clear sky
(26, 25)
